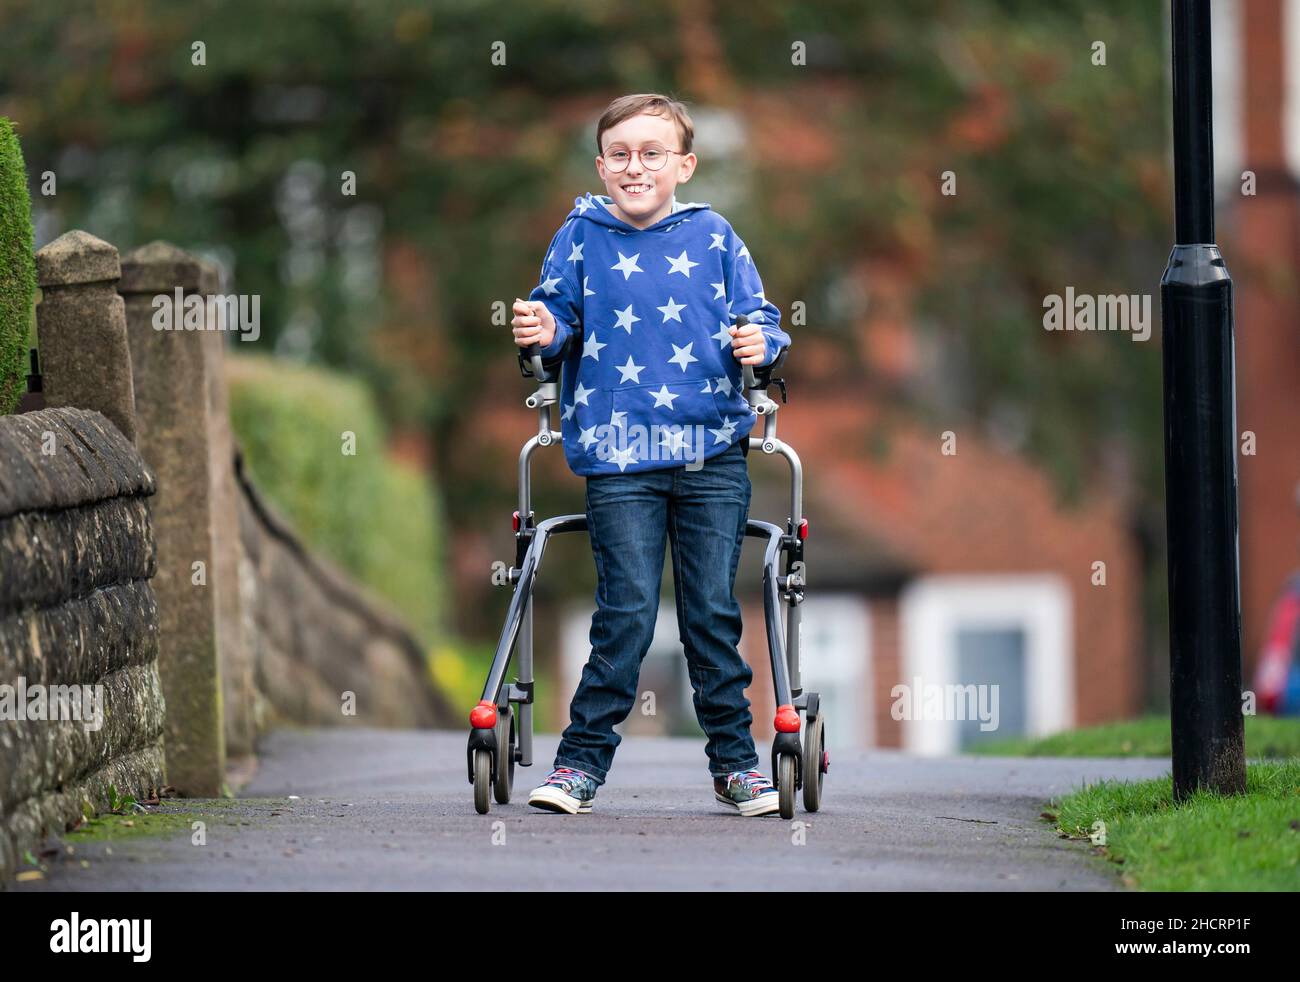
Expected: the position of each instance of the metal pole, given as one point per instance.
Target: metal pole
(1200, 444)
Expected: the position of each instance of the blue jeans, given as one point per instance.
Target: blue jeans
(703, 513)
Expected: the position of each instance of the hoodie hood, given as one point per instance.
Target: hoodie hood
(595, 208)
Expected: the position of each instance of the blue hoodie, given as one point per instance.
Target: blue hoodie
(650, 380)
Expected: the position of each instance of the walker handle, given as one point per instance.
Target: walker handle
(534, 354)
(747, 371)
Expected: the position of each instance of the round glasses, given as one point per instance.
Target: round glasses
(652, 158)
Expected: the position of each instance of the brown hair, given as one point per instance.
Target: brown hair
(627, 106)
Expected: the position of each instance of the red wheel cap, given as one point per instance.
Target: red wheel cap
(484, 715)
(787, 719)
(826, 760)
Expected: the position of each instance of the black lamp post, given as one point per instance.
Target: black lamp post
(1200, 445)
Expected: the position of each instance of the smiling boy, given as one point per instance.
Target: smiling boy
(645, 291)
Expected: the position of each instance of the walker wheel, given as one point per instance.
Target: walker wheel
(482, 780)
(505, 776)
(785, 784)
(815, 760)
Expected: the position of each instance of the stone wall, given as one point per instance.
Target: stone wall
(76, 609)
(138, 559)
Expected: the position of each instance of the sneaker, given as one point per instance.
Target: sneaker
(566, 789)
(749, 792)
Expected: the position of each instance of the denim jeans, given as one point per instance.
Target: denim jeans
(702, 513)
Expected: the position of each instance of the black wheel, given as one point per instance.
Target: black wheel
(482, 780)
(505, 776)
(813, 747)
(785, 785)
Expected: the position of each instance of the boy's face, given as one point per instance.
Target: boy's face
(642, 196)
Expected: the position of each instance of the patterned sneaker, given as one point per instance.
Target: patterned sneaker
(749, 792)
(566, 789)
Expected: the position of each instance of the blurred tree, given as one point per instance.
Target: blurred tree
(465, 162)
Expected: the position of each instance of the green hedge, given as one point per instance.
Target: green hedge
(374, 516)
(17, 268)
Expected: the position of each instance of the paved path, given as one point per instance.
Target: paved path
(393, 810)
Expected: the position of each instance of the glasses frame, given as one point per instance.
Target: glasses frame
(620, 170)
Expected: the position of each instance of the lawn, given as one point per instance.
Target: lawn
(1246, 842)
(1148, 736)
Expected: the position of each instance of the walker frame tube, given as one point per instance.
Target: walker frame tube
(779, 587)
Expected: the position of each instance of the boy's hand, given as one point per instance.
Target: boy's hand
(532, 323)
(748, 343)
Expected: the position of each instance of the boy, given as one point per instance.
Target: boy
(654, 417)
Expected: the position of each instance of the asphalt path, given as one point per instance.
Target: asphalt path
(357, 809)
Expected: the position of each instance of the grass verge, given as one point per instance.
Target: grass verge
(1147, 736)
(1208, 843)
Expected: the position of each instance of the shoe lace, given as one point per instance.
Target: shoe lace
(565, 777)
(752, 781)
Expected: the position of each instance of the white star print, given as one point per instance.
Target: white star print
(580, 393)
(723, 337)
(707, 387)
(673, 441)
(568, 411)
(721, 288)
(725, 434)
(584, 204)
(591, 347)
(664, 398)
(630, 370)
(682, 264)
(548, 285)
(718, 241)
(682, 356)
(744, 253)
(588, 437)
(623, 457)
(626, 318)
(576, 254)
(616, 418)
(671, 311)
(627, 266)
(585, 291)
(724, 386)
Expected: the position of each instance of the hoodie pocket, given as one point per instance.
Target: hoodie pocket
(673, 422)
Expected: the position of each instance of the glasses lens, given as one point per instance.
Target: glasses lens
(653, 157)
(617, 160)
